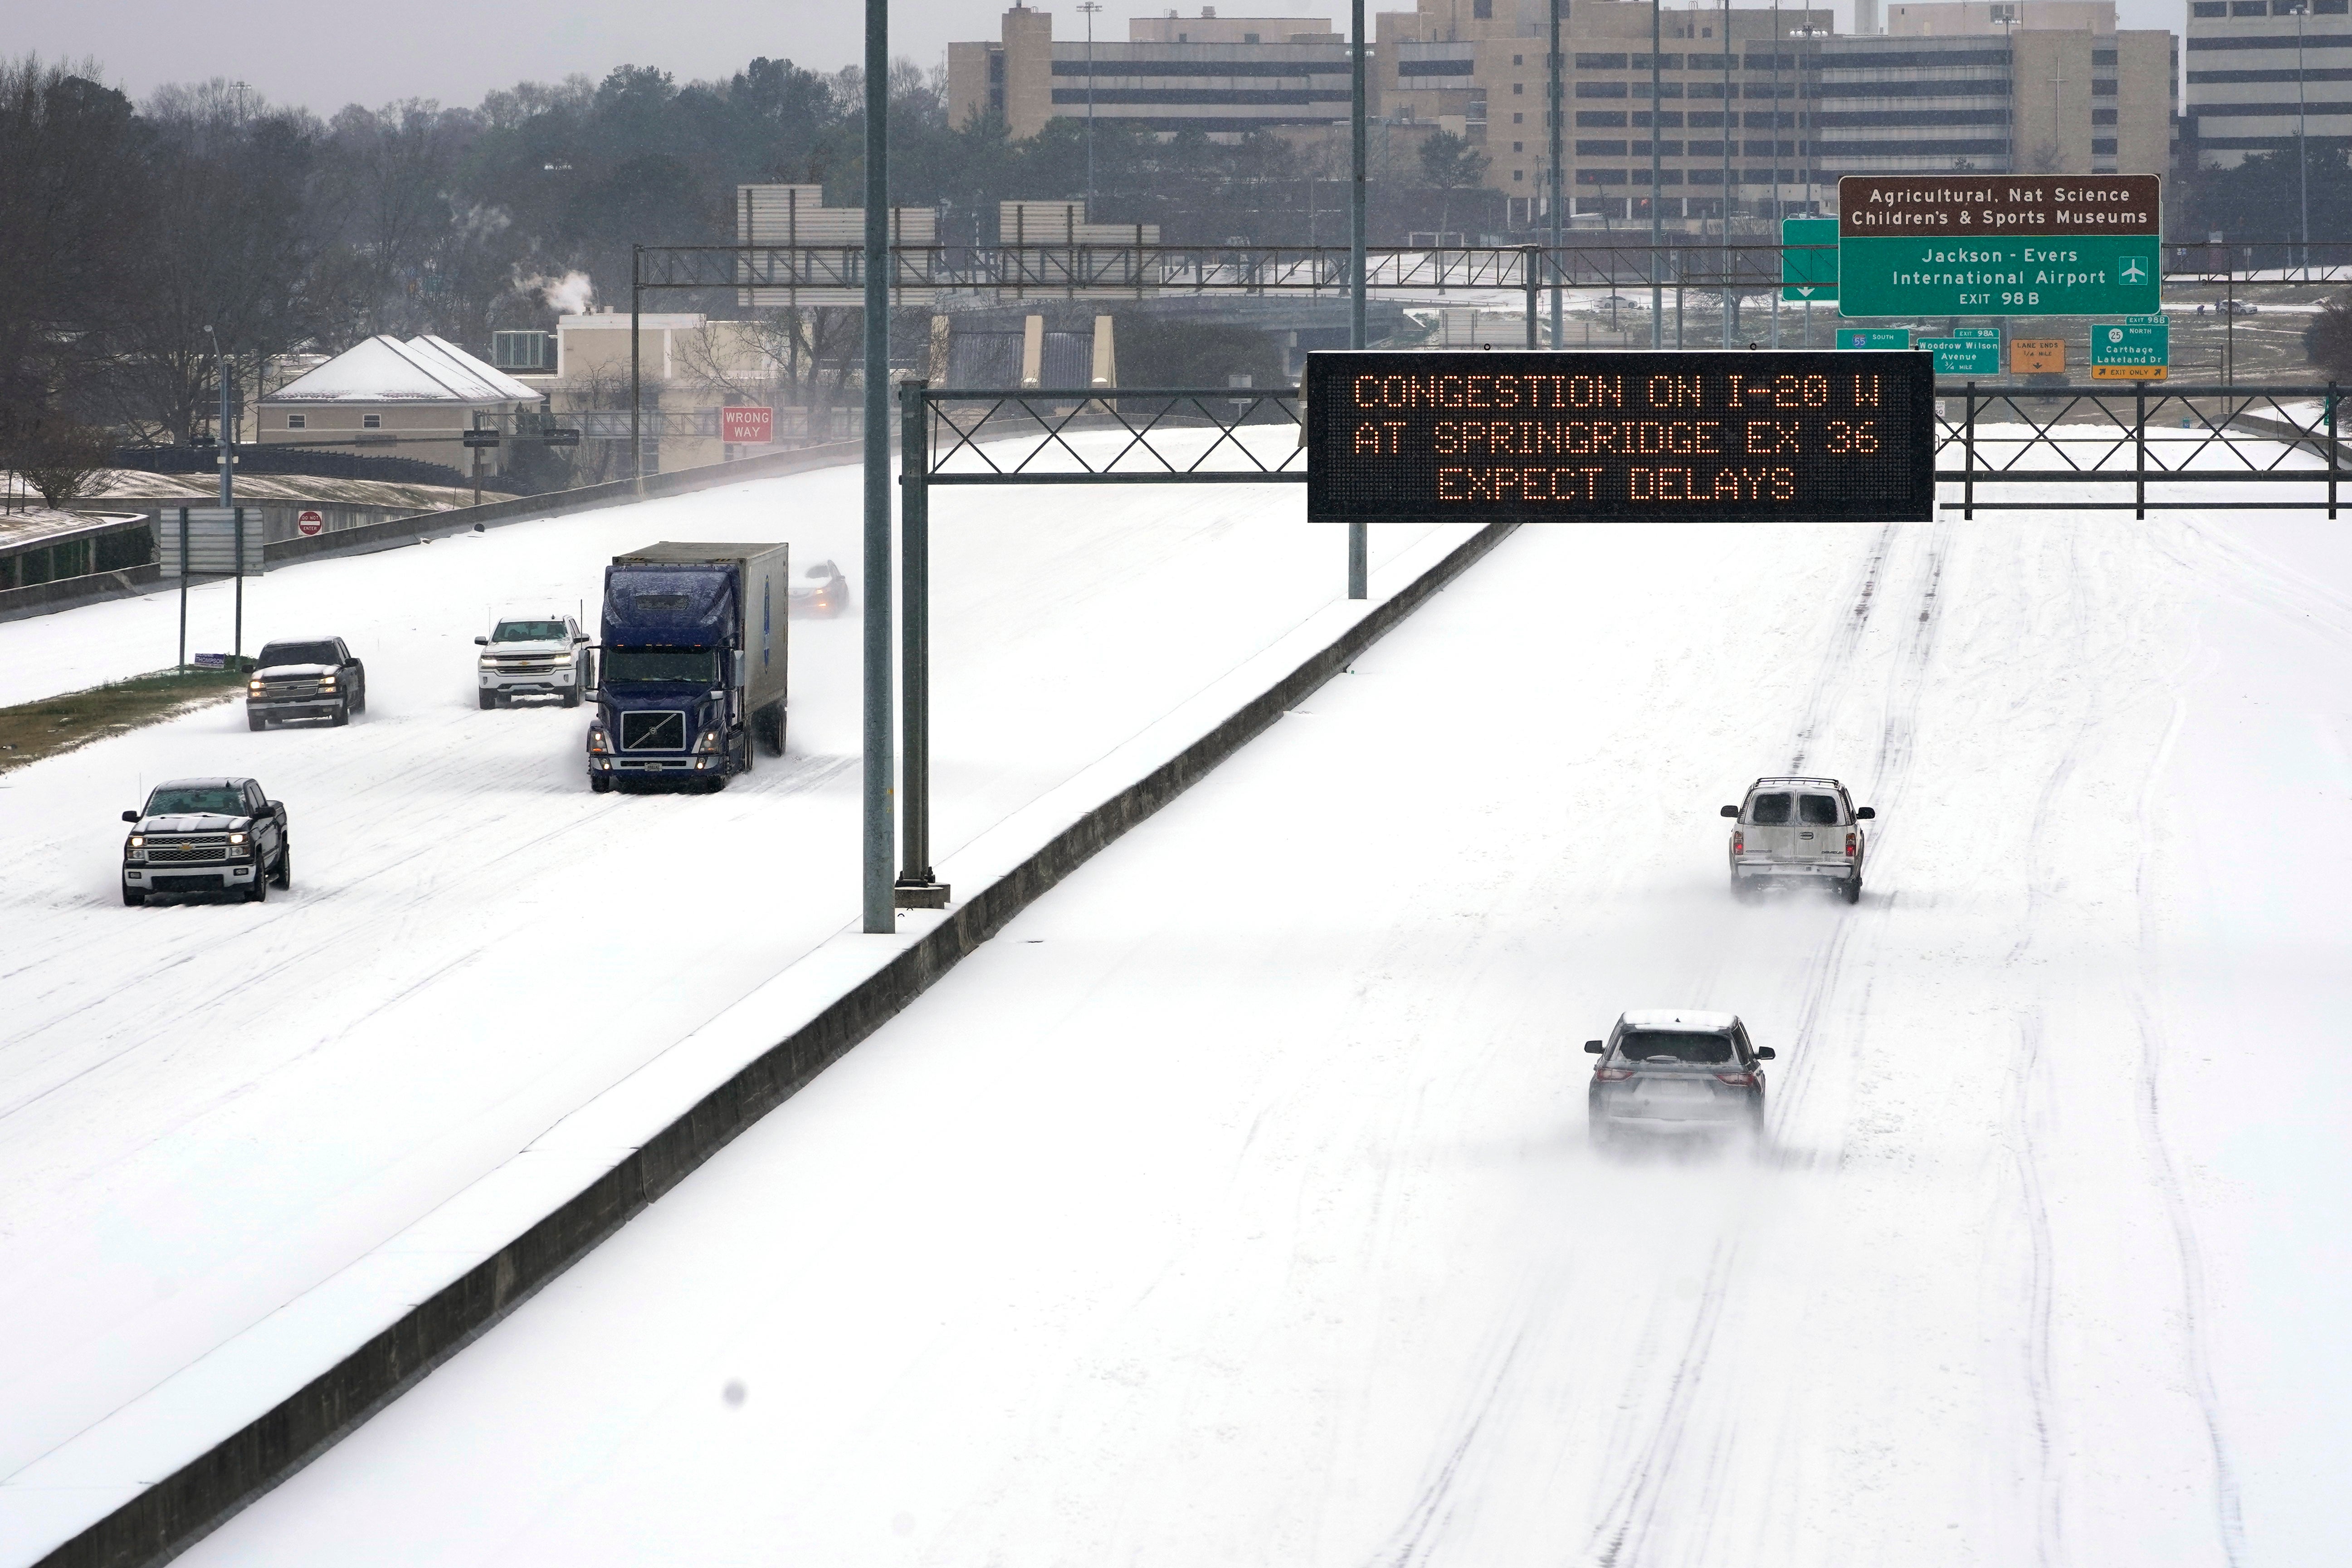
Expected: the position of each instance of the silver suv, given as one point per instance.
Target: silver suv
(1799, 830)
(1677, 1073)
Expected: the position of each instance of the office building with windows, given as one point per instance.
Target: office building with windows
(2263, 74)
(1225, 76)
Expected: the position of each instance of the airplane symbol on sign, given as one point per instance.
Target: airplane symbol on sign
(2134, 269)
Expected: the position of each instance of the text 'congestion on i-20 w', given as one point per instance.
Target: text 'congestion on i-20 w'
(1707, 436)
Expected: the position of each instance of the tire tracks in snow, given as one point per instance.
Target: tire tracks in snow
(2197, 1359)
(1622, 1534)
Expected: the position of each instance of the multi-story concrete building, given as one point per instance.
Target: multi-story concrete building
(1227, 76)
(2056, 99)
(1759, 108)
(1477, 71)
(1976, 84)
(2263, 73)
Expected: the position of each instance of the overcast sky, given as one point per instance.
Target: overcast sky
(456, 50)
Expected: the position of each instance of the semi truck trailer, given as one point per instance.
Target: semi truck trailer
(691, 665)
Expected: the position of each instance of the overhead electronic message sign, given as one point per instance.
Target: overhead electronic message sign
(1736, 436)
(1998, 245)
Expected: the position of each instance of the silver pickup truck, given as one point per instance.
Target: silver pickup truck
(1799, 830)
(206, 835)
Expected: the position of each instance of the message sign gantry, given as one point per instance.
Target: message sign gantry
(1998, 245)
(1713, 436)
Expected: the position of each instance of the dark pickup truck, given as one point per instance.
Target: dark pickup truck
(206, 835)
(309, 677)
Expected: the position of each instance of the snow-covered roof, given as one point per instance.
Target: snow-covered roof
(1677, 1017)
(385, 370)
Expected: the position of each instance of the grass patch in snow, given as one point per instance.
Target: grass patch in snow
(30, 731)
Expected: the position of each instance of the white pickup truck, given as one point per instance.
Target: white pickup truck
(533, 656)
(1794, 830)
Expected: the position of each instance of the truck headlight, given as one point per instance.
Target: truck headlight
(709, 742)
(599, 744)
(253, 688)
(236, 838)
(326, 683)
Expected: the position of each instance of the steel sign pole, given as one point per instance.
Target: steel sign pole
(915, 632)
(1358, 540)
(183, 588)
(880, 915)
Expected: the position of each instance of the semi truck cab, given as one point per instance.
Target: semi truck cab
(693, 661)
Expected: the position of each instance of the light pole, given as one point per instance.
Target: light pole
(1359, 542)
(1657, 234)
(1730, 126)
(1775, 159)
(2302, 164)
(1089, 8)
(220, 373)
(880, 828)
(1552, 100)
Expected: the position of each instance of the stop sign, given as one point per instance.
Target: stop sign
(310, 523)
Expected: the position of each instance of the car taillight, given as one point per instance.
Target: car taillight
(1849, 844)
(1737, 1079)
(1612, 1074)
(1739, 843)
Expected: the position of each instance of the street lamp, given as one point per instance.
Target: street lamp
(1657, 289)
(220, 372)
(2302, 164)
(1088, 7)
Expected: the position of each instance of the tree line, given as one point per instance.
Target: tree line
(139, 241)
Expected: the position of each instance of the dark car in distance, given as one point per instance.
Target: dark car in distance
(823, 590)
(307, 677)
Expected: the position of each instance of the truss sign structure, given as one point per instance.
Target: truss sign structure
(1811, 436)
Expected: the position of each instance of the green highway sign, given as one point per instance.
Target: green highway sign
(2093, 274)
(1991, 332)
(1966, 244)
(1874, 337)
(1969, 356)
(1808, 273)
(2137, 348)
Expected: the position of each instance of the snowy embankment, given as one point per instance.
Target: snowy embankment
(206, 1111)
(1234, 1205)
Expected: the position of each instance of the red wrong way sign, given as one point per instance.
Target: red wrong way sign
(740, 425)
(309, 522)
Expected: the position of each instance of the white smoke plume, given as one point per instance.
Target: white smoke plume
(570, 294)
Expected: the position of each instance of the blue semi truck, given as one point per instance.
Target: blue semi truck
(691, 665)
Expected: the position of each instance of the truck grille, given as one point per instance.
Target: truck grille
(290, 689)
(188, 852)
(531, 662)
(660, 731)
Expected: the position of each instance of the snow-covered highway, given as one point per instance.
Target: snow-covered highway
(206, 1110)
(1233, 1205)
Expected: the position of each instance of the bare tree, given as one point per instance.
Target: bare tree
(58, 456)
